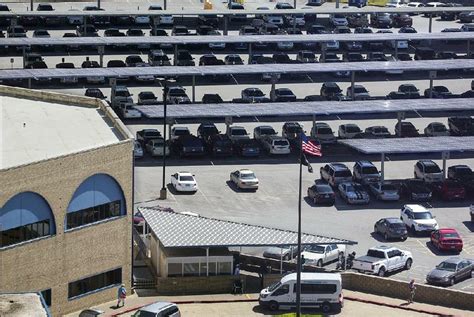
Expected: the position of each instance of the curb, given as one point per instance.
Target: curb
(356, 299)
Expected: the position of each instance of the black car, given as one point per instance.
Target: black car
(409, 90)
(397, 95)
(330, 90)
(212, 98)
(233, 59)
(415, 190)
(247, 148)
(188, 145)
(95, 93)
(291, 130)
(424, 53)
(461, 126)
(406, 129)
(206, 130)
(184, 58)
(439, 92)
(381, 20)
(321, 193)
(391, 228)
(219, 145)
(464, 175)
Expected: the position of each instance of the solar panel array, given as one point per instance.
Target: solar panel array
(346, 11)
(163, 71)
(318, 108)
(175, 230)
(205, 39)
(412, 145)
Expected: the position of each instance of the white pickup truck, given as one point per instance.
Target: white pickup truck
(382, 259)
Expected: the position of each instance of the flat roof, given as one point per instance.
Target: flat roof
(412, 145)
(22, 304)
(35, 130)
(165, 71)
(205, 39)
(305, 108)
(176, 230)
(310, 10)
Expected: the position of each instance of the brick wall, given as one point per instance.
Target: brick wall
(55, 261)
(196, 285)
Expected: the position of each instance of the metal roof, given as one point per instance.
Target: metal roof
(163, 71)
(305, 108)
(205, 39)
(349, 10)
(176, 230)
(412, 145)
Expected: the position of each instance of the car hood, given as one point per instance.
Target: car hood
(274, 251)
(436, 273)
(312, 256)
(425, 221)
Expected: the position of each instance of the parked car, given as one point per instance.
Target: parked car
(449, 189)
(349, 131)
(236, 133)
(415, 190)
(365, 172)
(406, 129)
(145, 135)
(377, 132)
(323, 132)
(401, 19)
(382, 259)
(252, 95)
(147, 98)
(212, 98)
(157, 147)
(137, 150)
(438, 92)
(244, 179)
(247, 148)
(321, 193)
(291, 130)
(206, 130)
(219, 145)
(184, 182)
(461, 125)
(283, 253)
(177, 132)
(428, 171)
(93, 79)
(360, 93)
(158, 309)
(177, 95)
(276, 144)
(410, 90)
(391, 228)
(282, 95)
(424, 53)
(335, 173)
(262, 131)
(184, 58)
(233, 59)
(451, 271)
(353, 193)
(330, 90)
(95, 93)
(338, 20)
(436, 129)
(385, 191)
(158, 58)
(189, 145)
(381, 20)
(446, 239)
(128, 111)
(418, 219)
(322, 254)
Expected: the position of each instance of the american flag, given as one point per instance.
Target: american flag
(310, 147)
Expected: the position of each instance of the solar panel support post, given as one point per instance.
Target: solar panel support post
(468, 48)
(314, 121)
(337, 4)
(193, 91)
(294, 21)
(226, 24)
(294, 4)
(250, 51)
(281, 259)
(101, 51)
(396, 48)
(31, 5)
(98, 4)
(444, 156)
(163, 191)
(164, 4)
(352, 84)
(207, 261)
(400, 117)
(323, 51)
(175, 46)
(430, 23)
(382, 166)
(23, 53)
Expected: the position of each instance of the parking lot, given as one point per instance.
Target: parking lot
(275, 202)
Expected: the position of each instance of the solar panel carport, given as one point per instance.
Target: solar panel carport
(444, 145)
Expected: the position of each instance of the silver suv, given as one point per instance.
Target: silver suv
(335, 173)
(365, 172)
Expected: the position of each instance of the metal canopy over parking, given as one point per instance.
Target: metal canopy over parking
(166, 71)
(444, 145)
(306, 108)
(206, 39)
(176, 230)
(227, 12)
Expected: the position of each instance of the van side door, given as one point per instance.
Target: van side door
(282, 295)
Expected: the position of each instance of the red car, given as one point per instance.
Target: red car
(447, 239)
(449, 190)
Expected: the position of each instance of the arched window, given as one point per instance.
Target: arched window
(99, 197)
(24, 217)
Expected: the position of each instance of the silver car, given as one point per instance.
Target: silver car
(451, 271)
(159, 309)
(385, 191)
(244, 179)
(285, 253)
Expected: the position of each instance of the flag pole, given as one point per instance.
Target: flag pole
(298, 262)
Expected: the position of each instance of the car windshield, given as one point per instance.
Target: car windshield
(343, 173)
(447, 266)
(324, 131)
(360, 90)
(181, 132)
(432, 169)
(281, 143)
(293, 129)
(239, 132)
(352, 129)
(122, 93)
(247, 175)
(324, 189)
(370, 170)
(186, 178)
(398, 225)
(376, 254)
(255, 93)
(285, 92)
(450, 235)
(317, 249)
(177, 93)
(274, 286)
(423, 215)
(147, 95)
(267, 131)
(381, 130)
(358, 187)
(439, 128)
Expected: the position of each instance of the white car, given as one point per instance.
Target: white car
(244, 179)
(276, 144)
(428, 171)
(322, 254)
(184, 182)
(338, 20)
(418, 219)
(349, 131)
(237, 133)
(137, 150)
(176, 132)
(128, 111)
(155, 147)
(436, 129)
(385, 191)
(382, 259)
(144, 78)
(274, 19)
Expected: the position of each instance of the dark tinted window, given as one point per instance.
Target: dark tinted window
(92, 283)
(93, 214)
(318, 288)
(343, 173)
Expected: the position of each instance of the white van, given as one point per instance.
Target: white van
(322, 290)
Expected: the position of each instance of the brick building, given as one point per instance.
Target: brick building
(66, 175)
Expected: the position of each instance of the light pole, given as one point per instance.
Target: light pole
(163, 191)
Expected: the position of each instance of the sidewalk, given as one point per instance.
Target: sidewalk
(246, 305)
